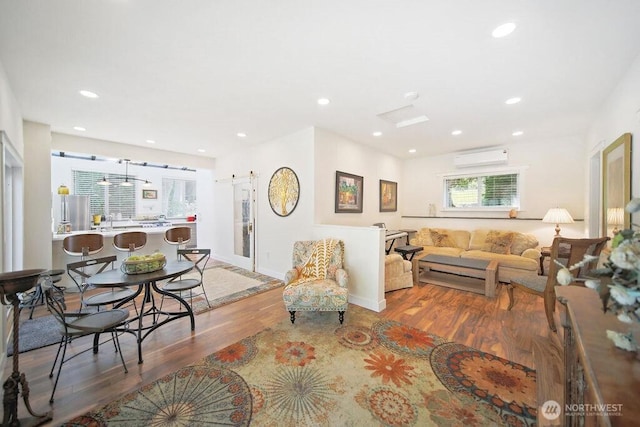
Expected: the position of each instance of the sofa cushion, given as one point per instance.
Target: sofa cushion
(441, 239)
(520, 243)
(439, 251)
(423, 238)
(513, 261)
(498, 242)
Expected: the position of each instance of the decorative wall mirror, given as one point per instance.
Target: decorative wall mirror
(616, 184)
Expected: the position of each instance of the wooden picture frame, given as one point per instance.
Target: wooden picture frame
(284, 191)
(149, 194)
(388, 196)
(616, 181)
(349, 193)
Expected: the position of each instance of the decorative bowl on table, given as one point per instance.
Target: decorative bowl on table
(140, 264)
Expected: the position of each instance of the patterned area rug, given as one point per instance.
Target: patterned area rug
(225, 283)
(369, 371)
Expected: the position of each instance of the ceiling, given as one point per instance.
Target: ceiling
(190, 75)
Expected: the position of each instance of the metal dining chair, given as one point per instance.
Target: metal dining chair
(180, 285)
(74, 325)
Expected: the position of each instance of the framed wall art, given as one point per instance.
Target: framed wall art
(349, 192)
(388, 196)
(284, 191)
(149, 194)
(616, 183)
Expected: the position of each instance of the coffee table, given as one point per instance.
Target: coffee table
(473, 275)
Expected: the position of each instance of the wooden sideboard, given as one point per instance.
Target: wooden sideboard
(603, 379)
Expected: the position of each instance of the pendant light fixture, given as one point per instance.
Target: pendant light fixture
(128, 180)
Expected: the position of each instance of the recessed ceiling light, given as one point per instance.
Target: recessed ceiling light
(323, 101)
(79, 128)
(88, 94)
(241, 135)
(512, 101)
(150, 141)
(377, 133)
(413, 150)
(411, 96)
(201, 150)
(503, 30)
(456, 132)
(517, 133)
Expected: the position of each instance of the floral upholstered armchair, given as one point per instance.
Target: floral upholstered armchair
(317, 281)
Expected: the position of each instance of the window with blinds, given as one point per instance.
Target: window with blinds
(488, 191)
(178, 197)
(106, 199)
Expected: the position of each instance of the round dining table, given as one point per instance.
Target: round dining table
(147, 284)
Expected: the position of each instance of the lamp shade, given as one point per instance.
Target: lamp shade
(63, 190)
(558, 216)
(615, 216)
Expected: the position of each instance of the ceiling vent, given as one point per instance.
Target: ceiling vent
(481, 158)
(404, 116)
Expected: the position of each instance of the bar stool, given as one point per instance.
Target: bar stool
(130, 241)
(178, 236)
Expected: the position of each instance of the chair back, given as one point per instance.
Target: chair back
(130, 241)
(571, 251)
(56, 305)
(81, 270)
(302, 250)
(200, 257)
(83, 245)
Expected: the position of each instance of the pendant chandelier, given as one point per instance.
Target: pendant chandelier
(128, 180)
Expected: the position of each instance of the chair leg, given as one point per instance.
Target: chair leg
(341, 316)
(549, 308)
(292, 316)
(116, 340)
(63, 344)
(510, 292)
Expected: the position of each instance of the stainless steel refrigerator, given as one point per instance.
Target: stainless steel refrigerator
(79, 216)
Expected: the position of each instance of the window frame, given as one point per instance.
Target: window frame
(484, 173)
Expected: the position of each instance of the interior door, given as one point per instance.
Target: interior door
(244, 222)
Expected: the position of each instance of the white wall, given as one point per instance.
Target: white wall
(10, 116)
(37, 198)
(621, 114)
(553, 174)
(336, 153)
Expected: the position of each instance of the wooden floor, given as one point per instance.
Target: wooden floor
(90, 381)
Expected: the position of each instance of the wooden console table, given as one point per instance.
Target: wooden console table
(596, 372)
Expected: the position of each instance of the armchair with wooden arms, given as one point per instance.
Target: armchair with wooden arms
(567, 252)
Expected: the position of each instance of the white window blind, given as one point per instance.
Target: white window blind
(178, 197)
(106, 199)
(488, 191)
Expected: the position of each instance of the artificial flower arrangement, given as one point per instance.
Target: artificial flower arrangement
(618, 281)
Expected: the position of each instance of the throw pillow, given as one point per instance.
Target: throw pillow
(498, 242)
(441, 239)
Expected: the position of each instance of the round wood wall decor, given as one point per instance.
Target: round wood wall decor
(284, 191)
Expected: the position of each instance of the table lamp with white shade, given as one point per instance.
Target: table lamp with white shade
(558, 216)
(615, 217)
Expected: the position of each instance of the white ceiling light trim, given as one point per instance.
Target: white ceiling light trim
(88, 94)
(503, 30)
(377, 133)
(241, 135)
(150, 141)
(517, 133)
(79, 128)
(323, 101)
(456, 132)
(513, 100)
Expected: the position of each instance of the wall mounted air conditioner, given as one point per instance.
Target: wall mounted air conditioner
(481, 158)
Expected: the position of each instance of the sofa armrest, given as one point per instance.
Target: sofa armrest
(407, 265)
(342, 277)
(531, 253)
(290, 276)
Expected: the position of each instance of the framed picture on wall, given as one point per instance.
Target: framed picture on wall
(349, 192)
(149, 194)
(388, 196)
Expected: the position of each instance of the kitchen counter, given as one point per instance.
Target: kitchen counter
(155, 242)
